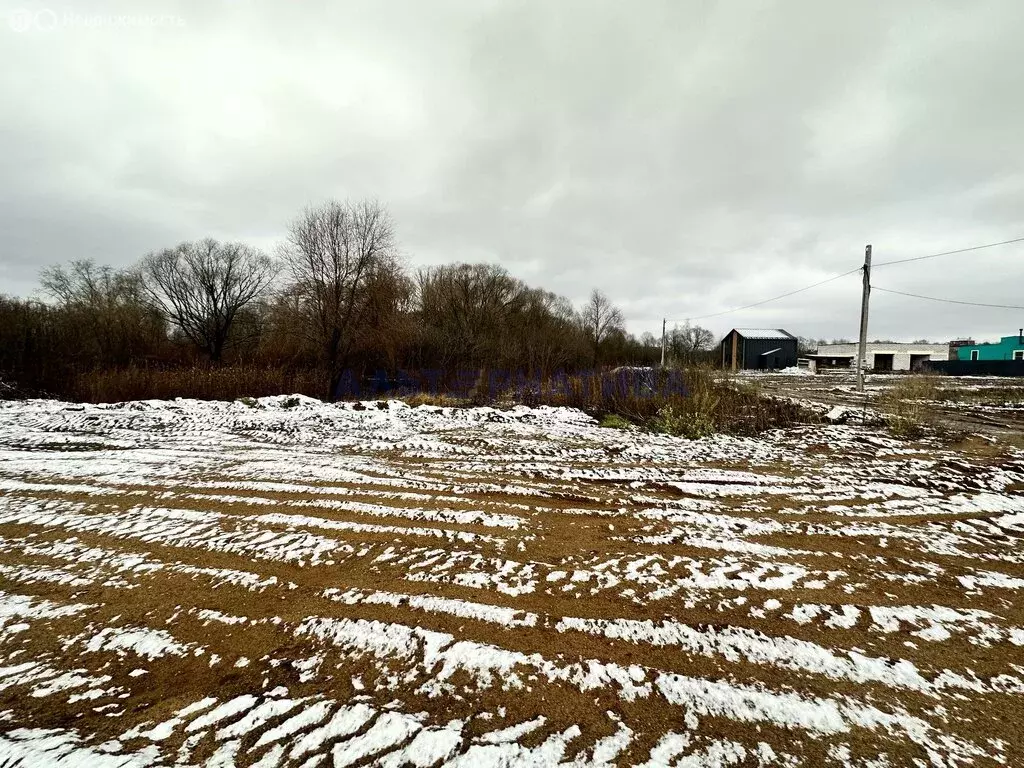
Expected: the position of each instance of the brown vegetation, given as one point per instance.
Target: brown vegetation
(691, 402)
(211, 319)
(199, 382)
(909, 405)
(335, 315)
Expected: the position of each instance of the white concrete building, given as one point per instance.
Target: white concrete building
(881, 356)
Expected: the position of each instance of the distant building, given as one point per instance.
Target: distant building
(881, 356)
(758, 349)
(1007, 348)
(955, 345)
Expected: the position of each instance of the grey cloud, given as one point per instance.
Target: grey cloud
(684, 157)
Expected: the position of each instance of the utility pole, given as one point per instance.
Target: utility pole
(663, 338)
(862, 347)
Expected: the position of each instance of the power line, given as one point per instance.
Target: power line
(858, 269)
(765, 301)
(947, 301)
(950, 253)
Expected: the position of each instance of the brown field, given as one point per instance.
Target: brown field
(217, 584)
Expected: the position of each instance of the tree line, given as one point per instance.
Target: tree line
(334, 297)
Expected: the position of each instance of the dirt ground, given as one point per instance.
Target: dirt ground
(304, 584)
(990, 405)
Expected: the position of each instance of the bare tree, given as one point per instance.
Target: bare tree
(337, 252)
(201, 286)
(805, 346)
(107, 306)
(469, 312)
(549, 333)
(81, 283)
(687, 342)
(601, 319)
(387, 323)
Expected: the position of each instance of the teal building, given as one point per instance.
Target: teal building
(1007, 348)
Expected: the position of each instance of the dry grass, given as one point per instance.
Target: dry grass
(910, 405)
(439, 400)
(998, 396)
(692, 402)
(200, 382)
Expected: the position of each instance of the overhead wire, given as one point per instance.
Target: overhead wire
(947, 253)
(887, 290)
(766, 301)
(946, 301)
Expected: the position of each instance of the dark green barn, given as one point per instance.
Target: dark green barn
(758, 349)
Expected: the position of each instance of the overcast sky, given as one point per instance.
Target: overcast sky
(685, 157)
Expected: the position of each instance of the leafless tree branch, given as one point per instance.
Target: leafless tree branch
(201, 286)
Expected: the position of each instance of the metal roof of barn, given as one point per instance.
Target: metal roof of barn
(763, 333)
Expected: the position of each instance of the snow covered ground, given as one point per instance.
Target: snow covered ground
(991, 405)
(306, 584)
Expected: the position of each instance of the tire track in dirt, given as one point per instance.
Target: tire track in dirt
(220, 584)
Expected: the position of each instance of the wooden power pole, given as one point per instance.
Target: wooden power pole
(663, 340)
(862, 347)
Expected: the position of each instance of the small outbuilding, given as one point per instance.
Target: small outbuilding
(758, 349)
(1007, 348)
(880, 356)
